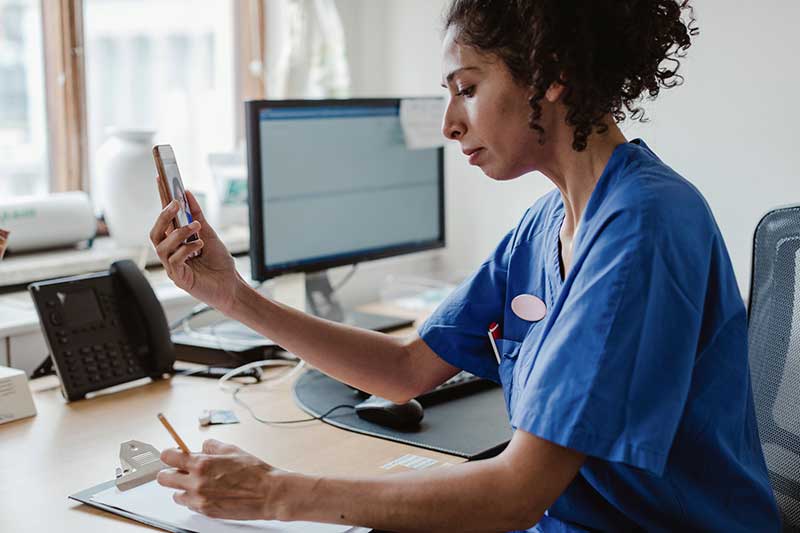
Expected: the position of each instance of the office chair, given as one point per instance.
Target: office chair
(774, 353)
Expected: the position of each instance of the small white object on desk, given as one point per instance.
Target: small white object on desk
(16, 400)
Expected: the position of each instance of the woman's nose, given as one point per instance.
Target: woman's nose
(451, 131)
(452, 128)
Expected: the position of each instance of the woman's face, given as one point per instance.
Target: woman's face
(487, 112)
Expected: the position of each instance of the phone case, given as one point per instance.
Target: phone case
(166, 195)
(163, 190)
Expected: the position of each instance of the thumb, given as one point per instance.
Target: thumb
(206, 231)
(194, 207)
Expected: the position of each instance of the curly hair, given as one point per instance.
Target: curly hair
(607, 54)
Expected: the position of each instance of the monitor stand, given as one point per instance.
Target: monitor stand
(322, 302)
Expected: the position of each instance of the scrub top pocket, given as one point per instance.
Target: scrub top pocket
(508, 350)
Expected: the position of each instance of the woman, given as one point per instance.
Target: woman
(623, 353)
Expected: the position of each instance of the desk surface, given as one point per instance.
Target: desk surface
(70, 447)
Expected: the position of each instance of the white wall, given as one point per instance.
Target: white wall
(365, 23)
(393, 46)
(729, 129)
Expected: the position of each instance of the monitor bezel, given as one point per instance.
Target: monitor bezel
(258, 267)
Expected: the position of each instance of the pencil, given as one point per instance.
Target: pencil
(492, 332)
(172, 432)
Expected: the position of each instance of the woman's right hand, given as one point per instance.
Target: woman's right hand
(210, 277)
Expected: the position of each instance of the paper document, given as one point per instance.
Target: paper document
(422, 122)
(153, 501)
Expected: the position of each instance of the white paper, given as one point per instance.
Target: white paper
(422, 122)
(153, 501)
(409, 460)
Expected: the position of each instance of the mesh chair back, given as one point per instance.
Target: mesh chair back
(774, 352)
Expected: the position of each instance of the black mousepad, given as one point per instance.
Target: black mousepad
(473, 426)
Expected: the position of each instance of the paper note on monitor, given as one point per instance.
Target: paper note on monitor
(422, 122)
(153, 501)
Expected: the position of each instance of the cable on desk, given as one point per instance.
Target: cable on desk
(296, 367)
(197, 310)
(286, 422)
(201, 308)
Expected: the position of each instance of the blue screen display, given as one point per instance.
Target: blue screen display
(340, 181)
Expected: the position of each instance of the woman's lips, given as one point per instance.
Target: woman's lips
(474, 155)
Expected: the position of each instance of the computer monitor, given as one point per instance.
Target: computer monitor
(332, 183)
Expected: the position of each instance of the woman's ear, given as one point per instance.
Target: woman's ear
(554, 92)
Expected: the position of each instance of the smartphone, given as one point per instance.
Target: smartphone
(170, 186)
(3, 242)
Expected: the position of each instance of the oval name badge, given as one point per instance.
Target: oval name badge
(528, 307)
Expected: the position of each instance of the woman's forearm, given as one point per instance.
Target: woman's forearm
(481, 496)
(374, 362)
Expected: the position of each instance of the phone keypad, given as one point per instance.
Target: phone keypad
(99, 365)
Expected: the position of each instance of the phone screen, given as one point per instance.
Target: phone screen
(177, 191)
(172, 185)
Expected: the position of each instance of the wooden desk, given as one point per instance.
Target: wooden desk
(70, 447)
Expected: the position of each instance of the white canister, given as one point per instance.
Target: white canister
(127, 187)
(47, 221)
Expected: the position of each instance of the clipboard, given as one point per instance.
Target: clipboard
(85, 496)
(140, 463)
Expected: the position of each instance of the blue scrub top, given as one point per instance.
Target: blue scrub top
(640, 362)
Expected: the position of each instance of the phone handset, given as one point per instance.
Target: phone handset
(143, 318)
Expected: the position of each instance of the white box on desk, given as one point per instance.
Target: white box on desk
(27, 351)
(16, 400)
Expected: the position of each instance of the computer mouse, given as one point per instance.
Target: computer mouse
(403, 416)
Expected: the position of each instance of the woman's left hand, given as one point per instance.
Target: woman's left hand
(222, 482)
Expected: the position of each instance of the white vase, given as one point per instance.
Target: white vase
(126, 185)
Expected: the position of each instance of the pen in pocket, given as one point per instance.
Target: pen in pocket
(494, 332)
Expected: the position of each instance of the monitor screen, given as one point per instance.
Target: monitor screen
(333, 183)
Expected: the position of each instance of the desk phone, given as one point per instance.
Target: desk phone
(103, 329)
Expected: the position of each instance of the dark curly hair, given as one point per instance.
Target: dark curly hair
(606, 53)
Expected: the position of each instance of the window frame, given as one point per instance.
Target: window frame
(65, 93)
(65, 83)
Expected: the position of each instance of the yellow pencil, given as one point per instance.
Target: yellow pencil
(172, 432)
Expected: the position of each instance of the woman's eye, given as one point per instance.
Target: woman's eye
(467, 91)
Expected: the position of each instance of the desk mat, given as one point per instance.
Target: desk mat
(474, 426)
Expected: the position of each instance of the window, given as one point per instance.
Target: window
(166, 66)
(71, 70)
(23, 139)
